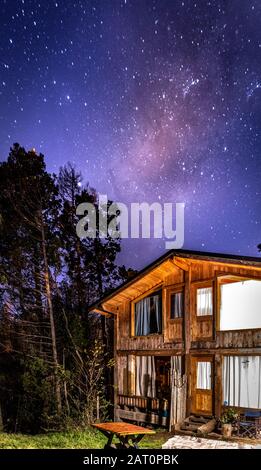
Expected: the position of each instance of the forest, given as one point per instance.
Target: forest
(56, 359)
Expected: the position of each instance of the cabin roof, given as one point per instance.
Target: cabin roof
(151, 275)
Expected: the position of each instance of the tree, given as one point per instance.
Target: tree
(55, 359)
(30, 198)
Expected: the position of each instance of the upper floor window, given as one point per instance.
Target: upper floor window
(176, 305)
(240, 304)
(148, 315)
(204, 301)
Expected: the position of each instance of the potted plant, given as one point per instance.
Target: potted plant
(228, 418)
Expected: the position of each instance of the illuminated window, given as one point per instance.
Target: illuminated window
(204, 301)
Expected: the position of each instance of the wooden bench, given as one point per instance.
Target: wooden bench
(125, 433)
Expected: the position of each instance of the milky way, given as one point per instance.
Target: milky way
(152, 100)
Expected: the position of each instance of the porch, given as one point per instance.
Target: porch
(152, 390)
(143, 410)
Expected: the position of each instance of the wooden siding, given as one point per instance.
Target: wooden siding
(201, 331)
(240, 339)
(143, 343)
(192, 336)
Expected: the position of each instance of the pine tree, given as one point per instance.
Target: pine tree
(29, 207)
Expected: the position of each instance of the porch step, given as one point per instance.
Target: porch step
(193, 423)
(189, 427)
(199, 419)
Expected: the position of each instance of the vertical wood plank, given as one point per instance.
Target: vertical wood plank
(131, 374)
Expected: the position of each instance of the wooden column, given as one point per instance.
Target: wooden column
(187, 312)
(131, 374)
(164, 315)
(115, 369)
(187, 337)
(218, 385)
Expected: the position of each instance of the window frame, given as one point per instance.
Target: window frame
(236, 354)
(202, 361)
(228, 278)
(204, 285)
(149, 293)
(176, 290)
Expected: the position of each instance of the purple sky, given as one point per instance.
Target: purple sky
(152, 100)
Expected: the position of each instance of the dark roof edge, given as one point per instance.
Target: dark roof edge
(244, 260)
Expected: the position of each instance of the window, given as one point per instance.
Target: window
(242, 381)
(176, 305)
(148, 315)
(204, 301)
(240, 305)
(204, 375)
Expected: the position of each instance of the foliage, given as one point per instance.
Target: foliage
(229, 416)
(37, 398)
(53, 364)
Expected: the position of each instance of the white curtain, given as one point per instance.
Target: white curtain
(204, 375)
(177, 305)
(204, 301)
(178, 392)
(242, 381)
(142, 317)
(175, 363)
(240, 305)
(145, 376)
(148, 316)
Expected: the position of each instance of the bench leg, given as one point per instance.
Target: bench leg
(136, 441)
(126, 444)
(109, 444)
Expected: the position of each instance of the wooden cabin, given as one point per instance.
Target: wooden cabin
(187, 338)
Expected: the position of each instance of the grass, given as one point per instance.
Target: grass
(89, 439)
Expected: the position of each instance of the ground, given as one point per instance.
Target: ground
(89, 439)
(190, 442)
(93, 439)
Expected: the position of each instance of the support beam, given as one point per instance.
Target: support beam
(131, 375)
(181, 263)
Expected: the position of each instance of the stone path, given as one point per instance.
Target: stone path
(188, 442)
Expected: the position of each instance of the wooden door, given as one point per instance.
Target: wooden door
(202, 385)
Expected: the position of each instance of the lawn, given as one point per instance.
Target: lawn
(89, 439)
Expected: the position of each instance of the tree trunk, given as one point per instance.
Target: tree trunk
(1, 420)
(51, 316)
(65, 388)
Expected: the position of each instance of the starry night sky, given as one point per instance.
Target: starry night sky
(153, 100)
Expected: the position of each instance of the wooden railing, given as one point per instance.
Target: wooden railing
(142, 410)
(144, 403)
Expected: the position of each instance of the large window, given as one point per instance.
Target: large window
(204, 301)
(176, 305)
(148, 315)
(242, 381)
(240, 305)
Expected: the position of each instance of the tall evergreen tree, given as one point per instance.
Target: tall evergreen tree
(29, 207)
(48, 277)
